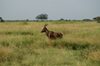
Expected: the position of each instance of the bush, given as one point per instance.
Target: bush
(97, 19)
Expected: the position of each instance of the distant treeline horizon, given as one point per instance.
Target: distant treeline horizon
(48, 20)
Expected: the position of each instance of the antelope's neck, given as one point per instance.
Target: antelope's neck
(47, 32)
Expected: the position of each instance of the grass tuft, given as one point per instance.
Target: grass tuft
(5, 43)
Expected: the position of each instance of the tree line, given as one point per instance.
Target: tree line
(43, 17)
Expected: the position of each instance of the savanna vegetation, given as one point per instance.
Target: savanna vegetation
(23, 44)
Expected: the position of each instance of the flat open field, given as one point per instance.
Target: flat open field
(23, 44)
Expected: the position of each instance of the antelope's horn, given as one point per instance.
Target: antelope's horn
(45, 25)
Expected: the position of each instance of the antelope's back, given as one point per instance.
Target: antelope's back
(57, 35)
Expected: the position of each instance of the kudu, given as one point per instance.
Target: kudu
(51, 34)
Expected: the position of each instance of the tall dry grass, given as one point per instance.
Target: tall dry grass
(23, 44)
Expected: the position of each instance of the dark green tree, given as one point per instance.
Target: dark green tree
(42, 17)
(97, 19)
(27, 20)
(1, 20)
(61, 19)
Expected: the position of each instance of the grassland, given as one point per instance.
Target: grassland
(23, 44)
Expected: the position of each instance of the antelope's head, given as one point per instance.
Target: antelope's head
(44, 28)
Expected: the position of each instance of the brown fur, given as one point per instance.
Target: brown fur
(51, 34)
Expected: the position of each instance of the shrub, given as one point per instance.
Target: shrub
(97, 19)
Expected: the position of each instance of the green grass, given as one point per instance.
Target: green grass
(17, 32)
(23, 44)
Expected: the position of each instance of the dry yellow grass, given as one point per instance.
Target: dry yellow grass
(24, 45)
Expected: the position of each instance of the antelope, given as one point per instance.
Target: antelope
(51, 34)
